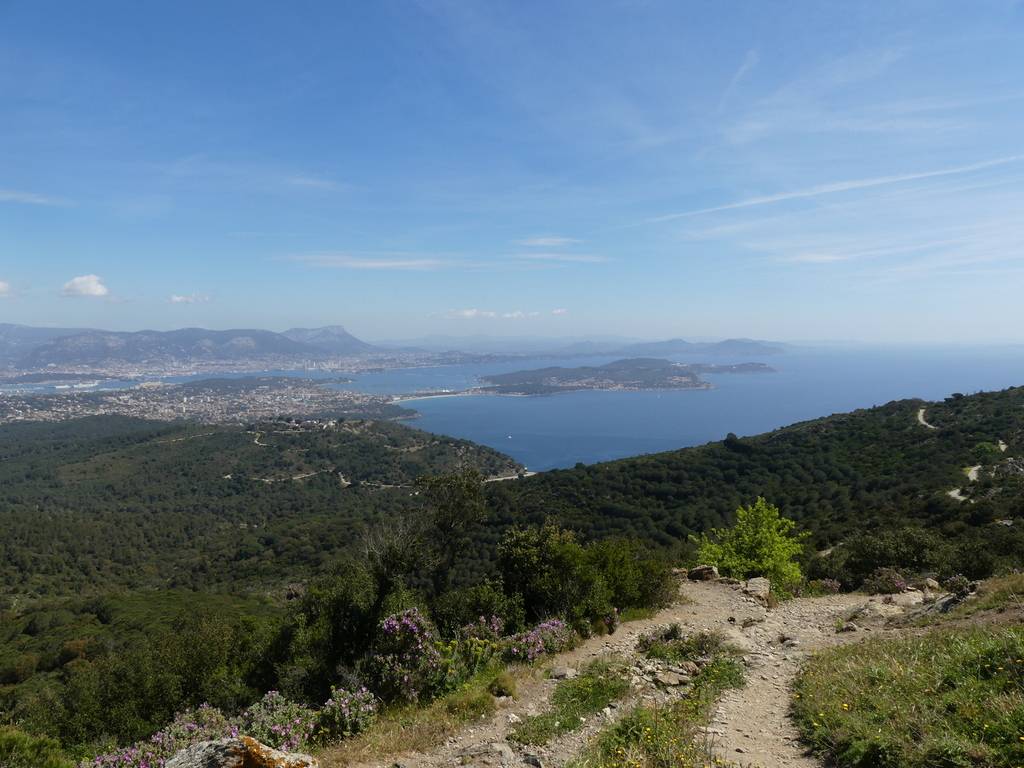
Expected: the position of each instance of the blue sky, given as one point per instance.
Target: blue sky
(779, 170)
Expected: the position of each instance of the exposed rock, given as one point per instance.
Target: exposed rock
(670, 678)
(491, 753)
(907, 599)
(562, 673)
(932, 584)
(533, 760)
(703, 573)
(848, 626)
(759, 588)
(244, 752)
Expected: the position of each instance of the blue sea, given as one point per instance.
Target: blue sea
(560, 430)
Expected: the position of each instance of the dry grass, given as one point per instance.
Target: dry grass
(418, 729)
(1000, 593)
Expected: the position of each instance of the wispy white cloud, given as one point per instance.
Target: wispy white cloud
(470, 314)
(578, 258)
(189, 298)
(841, 186)
(396, 262)
(560, 311)
(519, 315)
(490, 314)
(29, 198)
(85, 285)
(5, 290)
(550, 241)
(750, 60)
(313, 182)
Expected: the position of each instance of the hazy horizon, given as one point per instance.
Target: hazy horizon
(642, 169)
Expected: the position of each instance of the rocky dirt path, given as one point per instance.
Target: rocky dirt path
(750, 726)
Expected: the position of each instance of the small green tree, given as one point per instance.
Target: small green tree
(761, 543)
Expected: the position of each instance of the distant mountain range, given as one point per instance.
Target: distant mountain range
(28, 348)
(31, 348)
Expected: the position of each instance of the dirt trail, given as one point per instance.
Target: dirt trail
(921, 420)
(750, 725)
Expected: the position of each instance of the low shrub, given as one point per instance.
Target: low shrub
(406, 664)
(345, 714)
(458, 608)
(190, 727)
(21, 750)
(553, 636)
(958, 585)
(669, 644)
(279, 722)
(761, 543)
(503, 684)
(884, 581)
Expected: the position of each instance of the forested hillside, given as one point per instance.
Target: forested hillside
(113, 502)
(863, 471)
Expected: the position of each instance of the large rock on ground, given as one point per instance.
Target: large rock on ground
(244, 752)
(758, 588)
(702, 573)
(490, 754)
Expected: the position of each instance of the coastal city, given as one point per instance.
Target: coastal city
(209, 401)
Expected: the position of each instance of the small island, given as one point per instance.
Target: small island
(633, 374)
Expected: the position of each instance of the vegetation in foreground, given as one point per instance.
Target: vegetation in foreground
(21, 750)
(383, 631)
(953, 697)
(598, 684)
(761, 543)
(667, 736)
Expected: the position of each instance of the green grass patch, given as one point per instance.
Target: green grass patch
(666, 736)
(598, 685)
(952, 698)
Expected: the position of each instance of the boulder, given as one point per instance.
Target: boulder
(932, 584)
(759, 588)
(495, 753)
(244, 752)
(562, 673)
(703, 573)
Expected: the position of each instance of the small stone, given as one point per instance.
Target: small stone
(533, 760)
(562, 673)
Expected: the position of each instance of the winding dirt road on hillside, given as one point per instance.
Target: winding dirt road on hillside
(750, 726)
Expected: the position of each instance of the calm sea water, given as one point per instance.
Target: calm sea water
(560, 430)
